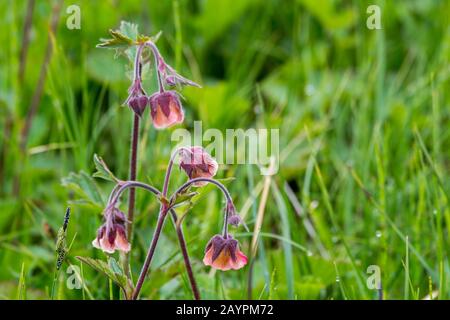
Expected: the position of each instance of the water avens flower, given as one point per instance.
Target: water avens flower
(223, 253)
(111, 235)
(138, 104)
(137, 98)
(166, 109)
(197, 163)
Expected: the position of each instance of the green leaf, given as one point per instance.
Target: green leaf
(143, 38)
(128, 29)
(103, 170)
(125, 39)
(182, 198)
(118, 41)
(21, 289)
(114, 266)
(105, 268)
(85, 187)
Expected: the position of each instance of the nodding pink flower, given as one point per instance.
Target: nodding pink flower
(111, 235)
(166, 109)
(197, 163)
(224, 254)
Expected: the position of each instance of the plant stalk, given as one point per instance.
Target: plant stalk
(150, 253)
(132, 194)
(156, 56)
(185, 253)
(133, 166)
(180, 235)
(181, 240)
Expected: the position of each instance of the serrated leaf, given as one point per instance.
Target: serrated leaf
(103, 170)
(125, 39)
(129, 29)
(118, 41)
(85, 187)
(104, 267)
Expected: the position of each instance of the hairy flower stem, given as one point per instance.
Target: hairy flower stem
(150, 253)
(161, 218)
(185, 253)
(156, 56)
(217, 184)
(131, 184)
(182, 242)
(132, 195)
(208, 180)
(180, 235)
(117, 193)
(133, 165)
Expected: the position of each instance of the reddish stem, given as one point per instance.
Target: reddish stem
(181, 240)
(185, 253)
(132, 194)
(180, 235)
(150, 253)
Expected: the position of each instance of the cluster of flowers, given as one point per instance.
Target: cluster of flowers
(222, 251)
(165, 106)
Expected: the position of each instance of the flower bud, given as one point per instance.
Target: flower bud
(166, 109)
(224, 254)
(138, 104)
(137, 99)
(233, 218)
(171, 81)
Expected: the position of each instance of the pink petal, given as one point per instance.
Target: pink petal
(122, 243)
(241, 260)
(106, 246)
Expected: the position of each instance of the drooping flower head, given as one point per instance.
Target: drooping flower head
(138, 104)
(166, 109)
(137, 99)
(223, 253)
(197, 163)
(111, 235)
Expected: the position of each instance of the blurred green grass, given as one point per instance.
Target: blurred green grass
(363, 117)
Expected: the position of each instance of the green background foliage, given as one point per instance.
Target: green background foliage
(364, 139)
